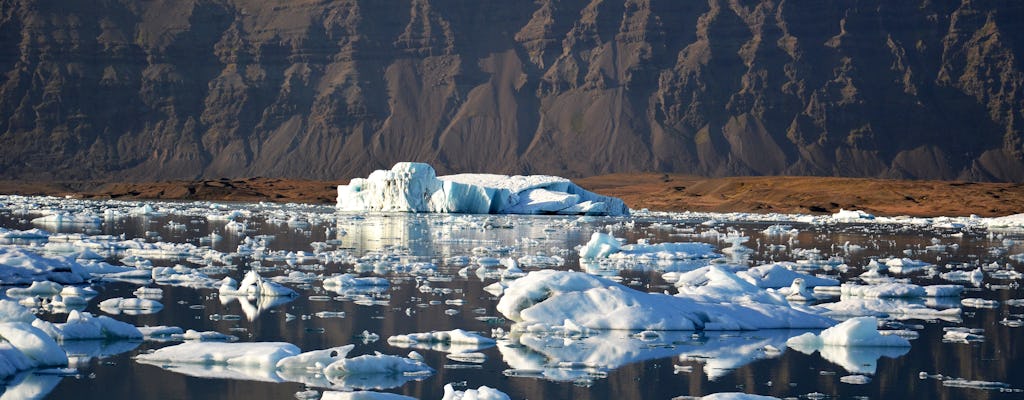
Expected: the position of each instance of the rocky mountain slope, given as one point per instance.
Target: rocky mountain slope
(185, 89)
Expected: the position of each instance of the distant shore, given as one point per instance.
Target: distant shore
(660, 192)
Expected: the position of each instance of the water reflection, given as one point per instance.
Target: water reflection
(422, 255)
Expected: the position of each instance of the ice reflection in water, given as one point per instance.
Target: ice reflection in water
(422, 255)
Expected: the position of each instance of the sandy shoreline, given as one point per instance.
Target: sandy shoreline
(662, 192)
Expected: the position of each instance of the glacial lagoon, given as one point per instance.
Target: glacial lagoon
(441, 270)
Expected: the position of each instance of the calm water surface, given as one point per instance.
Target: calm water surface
(529, 366)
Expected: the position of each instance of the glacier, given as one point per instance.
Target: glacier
(415, 187)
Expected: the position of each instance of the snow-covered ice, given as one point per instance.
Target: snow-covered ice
(414, 187)
(551, 297)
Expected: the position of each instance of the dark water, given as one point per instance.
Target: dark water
(676, 364)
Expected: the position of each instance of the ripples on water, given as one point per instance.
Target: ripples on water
(603, 365)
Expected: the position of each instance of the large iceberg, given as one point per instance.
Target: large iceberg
(415, 187)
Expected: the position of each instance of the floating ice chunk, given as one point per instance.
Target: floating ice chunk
(350, 280)
(974, 384)
(453, 341)
(414, 187)
(18, 267)
(1009, 221)
(852, 216)
(13, 312)
(377, 364)
(736, 396)
(57, 221)
(725, 286)
(314, 361)
(904, 265)
(600, 245)
(264, 355)
(38, 288)
(778, 276)
(551, 297)
(975, 277)
(206, 336)
(798, 291)
(888, 307)
(861, 331)
(962, 335)
(85, 326)
(975, 302)
(12, 360)
(253, 285)
(161, 332)
(883, 290)
(855, 380)
(35, 344)
(481, 393)
(363, 395)
(33, 233)
(118, 305)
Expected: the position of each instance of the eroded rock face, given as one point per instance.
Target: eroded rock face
(145, 90)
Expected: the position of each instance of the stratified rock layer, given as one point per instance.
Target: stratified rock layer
(170, 89)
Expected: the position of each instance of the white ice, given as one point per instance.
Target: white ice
(414, 187)
(453, 341)
(481, 393)
(550, 297)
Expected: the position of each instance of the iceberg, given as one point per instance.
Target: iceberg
(549, 297)
(415, 187)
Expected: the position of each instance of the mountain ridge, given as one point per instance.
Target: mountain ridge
(156, 90)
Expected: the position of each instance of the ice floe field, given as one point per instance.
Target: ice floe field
(111, 299)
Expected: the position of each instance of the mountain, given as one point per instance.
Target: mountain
(185, 89)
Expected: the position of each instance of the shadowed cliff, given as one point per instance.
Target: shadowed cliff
(179, 89)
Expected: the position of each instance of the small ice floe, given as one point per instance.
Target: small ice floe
(855, 380)
(904, 265)
(149, 293)
(23, 267)
(180, 275)
(721, 285)
(851, 216)
(798, 292)
(206, 336)
(37, 288)
(481, 393)
(778, 276)
(253, 285)
(862, 331)
(260, 358)
(278, 361)
(349, 370)
(26, 347)
(336, 282)
(472, 357)
(85, 326)
(134, 306)
(900, 290)
(899, 308)
(730, 396)
(367, 337)
(453, 341)
(160, 333)
(962, 335)
(855, 344)
(603, 245)
(363, 395)
(780, 230)
(975, 302)
(974, 277)
(59, 221)
(550, 297)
